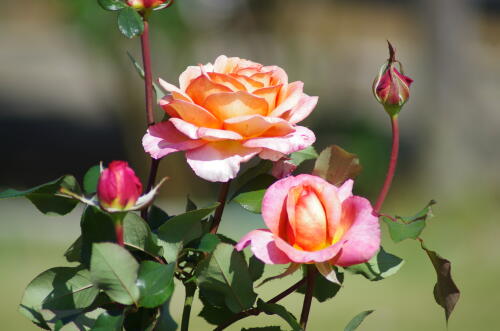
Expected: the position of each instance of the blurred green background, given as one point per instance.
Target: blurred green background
(70, 98)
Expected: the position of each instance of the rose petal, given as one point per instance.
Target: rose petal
(190, 112)
(177, 93)
(303, 108)
(184, 127)
(270, 94)
(249, 83)
(289, 98)
(300, 256)
(345, 190)
(267, 154)
(258, 125)
(279, 75)
(263, 77)
(219, 161)
(235, 104)
(217, 135)
(263, 247)
(163, 138)
(202, 87)
(292, 142)
(363, 235)
(227, 81)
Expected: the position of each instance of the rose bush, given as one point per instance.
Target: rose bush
(225, 113)
(313, 221)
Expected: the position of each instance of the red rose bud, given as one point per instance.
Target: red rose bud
(141, 4)
(118, 187)
(391, 88)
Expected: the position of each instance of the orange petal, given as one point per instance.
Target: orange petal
(249, 83)
(257, 125)
(192, 113)
(201, 87)
(270, 94)
(235, 104)
(248, 71)
(263, 77)
(227, 81)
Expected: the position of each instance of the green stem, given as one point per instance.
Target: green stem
(392, 166)
(188, 302)
(306, 306)
(224, 190)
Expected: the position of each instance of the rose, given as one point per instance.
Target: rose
(227, 112)
(391, 88)
(313, 221)
(141, 4)
(118, 187)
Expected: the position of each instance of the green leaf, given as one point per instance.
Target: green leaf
(73, 253)
(143, 319)
(114, 270)
(61, 288)
(112, 5)
(165, 320)
(379, 267)
(255, 268)
(91, 179)
(337, 165)
(158, 91)
(155, 282)
(446, 292)
(251, 194)
(47, 197)
(157, 217)
(96, 227)
(214, 311)
(402, 228)
(109, 321)
(263, 167)
(130, 23)
(275, 309)
(299, 157)
(208, 243)
(181, 229)
(137, 235)
(357, 320)
(323, 288)
(225, 272)
(190, 205)
(76, 319)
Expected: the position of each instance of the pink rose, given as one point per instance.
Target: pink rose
(313, 221)
(118, 187)
(225, 113)
(141, 4)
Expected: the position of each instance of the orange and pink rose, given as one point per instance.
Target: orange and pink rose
(225, 113)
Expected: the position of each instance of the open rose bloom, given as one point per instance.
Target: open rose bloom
(313, 221)
(225, 113)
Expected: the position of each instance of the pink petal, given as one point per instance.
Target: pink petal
(345, 190)
(219, 161)
(257, 125)
(288, 98)
(188, 75)
(263, 247)
(304, 107)
(216, 135)
(279, 75)
(300, 256)
(363, 236)
(184, 127)
(270, 94)
(163, 138)
(174, 89)
(301, 138)
(267, 154)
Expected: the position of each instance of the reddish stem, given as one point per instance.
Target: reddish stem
(224, 190)
(119, 233)
(392, 166)
(306, 307)
(148, 86)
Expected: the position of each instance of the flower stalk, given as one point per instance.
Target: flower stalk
(188, 303)
(224, 190)
(392, 166)
(306, 306)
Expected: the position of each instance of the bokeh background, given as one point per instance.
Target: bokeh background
(69, 98)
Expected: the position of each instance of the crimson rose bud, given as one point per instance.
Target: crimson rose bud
(118, 186)
(391, 88)
(141, 4)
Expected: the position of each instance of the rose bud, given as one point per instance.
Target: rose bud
(118, 187)
(310, 221)
(142, 4)
(391, 88)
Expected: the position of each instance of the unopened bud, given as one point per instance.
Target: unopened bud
(118, 187)
(148, 4)
(391, 87)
